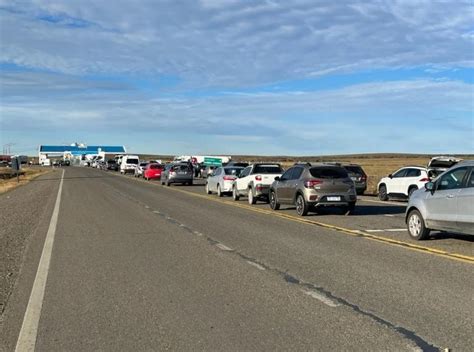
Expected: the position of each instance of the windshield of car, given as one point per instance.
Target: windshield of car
(442, 163)
(143, 164)
(132, 161)
(268, 169)
(234, 171)
(156, 167)
(181, 168)
(357, 170)
(111, 161)
(328, 172)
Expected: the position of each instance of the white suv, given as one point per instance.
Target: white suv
(255, 181)
(403, 182)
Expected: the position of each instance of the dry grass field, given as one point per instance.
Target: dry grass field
(30, 174)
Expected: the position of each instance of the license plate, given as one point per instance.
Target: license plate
(334, 199)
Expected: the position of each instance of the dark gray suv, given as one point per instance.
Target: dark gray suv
(309, 187)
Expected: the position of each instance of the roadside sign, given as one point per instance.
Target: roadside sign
(16, 166)
(213, 161)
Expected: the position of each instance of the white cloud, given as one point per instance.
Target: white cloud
(234, 43)
(323, 121)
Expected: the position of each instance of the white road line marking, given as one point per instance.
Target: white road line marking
(386, 230)
(197, 233)
(223, 247)
(321, 297)
(147, 207)
(258, 266)
(29, 329)
(156, 212)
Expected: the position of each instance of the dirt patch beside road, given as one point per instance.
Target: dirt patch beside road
(7, 184)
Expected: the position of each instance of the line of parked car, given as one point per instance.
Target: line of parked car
(441, 196)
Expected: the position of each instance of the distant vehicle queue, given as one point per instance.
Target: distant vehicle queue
(441, 196)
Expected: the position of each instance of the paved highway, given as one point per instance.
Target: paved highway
(132, 265)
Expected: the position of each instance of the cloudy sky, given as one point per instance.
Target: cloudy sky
(302, 77)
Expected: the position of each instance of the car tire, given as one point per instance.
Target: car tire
(416, 226)
(168, 183)
(411, 190)
(219, 192)
(302, 206)
(251, 198)
(383, 193)
(273, 201)
(208, 191)
(190, 183)
(235, 194)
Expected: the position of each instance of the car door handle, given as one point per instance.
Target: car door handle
(450, 196)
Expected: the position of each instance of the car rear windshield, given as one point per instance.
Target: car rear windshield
(111, 162)
(442, 163)
(354, 170)
(132, 161)
(143, 164)
(328, 172)
(156, 167)
(268, 169)
(235, 171)
(181, 168)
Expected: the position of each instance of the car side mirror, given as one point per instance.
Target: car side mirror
(277, 178)
(390, 176)
(429, 186)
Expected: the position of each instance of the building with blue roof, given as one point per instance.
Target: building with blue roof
(77, 150)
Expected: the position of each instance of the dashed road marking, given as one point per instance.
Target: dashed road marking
(323, 298)
(258, 266)
(223, 247)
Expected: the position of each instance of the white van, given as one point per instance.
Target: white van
(129, 164)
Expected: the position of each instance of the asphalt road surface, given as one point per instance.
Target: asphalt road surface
(105, 262)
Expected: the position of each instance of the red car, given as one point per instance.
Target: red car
(153, 171)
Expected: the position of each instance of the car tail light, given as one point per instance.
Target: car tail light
(312, 183)
(258, 178)
(229, 178)
(425, 179)
(363, 178)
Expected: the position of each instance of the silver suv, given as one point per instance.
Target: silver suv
(446, 204)
(311, 186)
(177, 173)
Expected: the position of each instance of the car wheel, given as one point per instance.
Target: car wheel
(273, 201)
(301, 206)
(208, 191)
(416, 226)
(219, 192)
(252, 199)
(190, 183)
(168, 183)
(383, 193)
(235, 194)
(411, 190)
